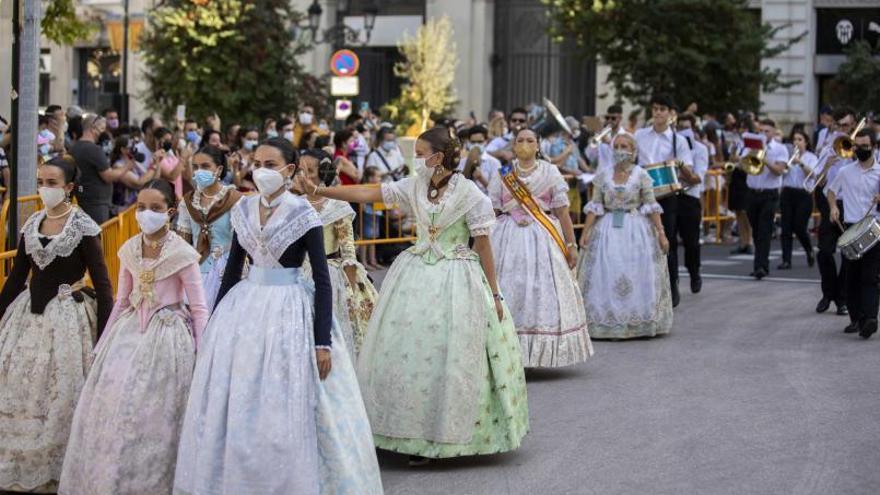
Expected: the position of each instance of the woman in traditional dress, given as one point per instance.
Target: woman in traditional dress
(623, 272)
(534, 270)
(266, 415)
(49, 326)
(203, 218)
(353, 294)
(440, 368)
(127, 423)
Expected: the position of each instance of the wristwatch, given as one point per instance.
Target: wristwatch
(498, 297)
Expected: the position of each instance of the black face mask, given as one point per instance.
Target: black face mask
(166, 145)
(361, 128)
(863, 154)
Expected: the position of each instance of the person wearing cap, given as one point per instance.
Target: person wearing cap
(660, 143)
(95, 191)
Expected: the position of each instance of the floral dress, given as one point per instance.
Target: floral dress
(622, 272)
(441, 376)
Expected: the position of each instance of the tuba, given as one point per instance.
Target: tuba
(843, 145)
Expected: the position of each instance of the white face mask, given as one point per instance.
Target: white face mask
(151, 221)
(52, 196)
(268, 181)
(306, 118)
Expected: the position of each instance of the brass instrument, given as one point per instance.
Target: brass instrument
(795, 157)
(815, 178)
(729, 167)
(753, 163)
(595, 140)
(843, 145)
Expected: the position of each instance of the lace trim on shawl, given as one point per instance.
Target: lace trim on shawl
(78, 225)
(175, 255)
(293, 218)
(334, 210)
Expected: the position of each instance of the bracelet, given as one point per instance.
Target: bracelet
(498, 297)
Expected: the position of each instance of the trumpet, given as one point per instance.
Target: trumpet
(595, 140)
(843, 145)
(729, 167)
(753, 163)
(795, 157)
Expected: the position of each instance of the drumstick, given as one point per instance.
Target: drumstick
(839, 225)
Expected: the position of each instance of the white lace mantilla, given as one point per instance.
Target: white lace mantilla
(334, 210)
(206, 208)
(78, 224)
(293, 217)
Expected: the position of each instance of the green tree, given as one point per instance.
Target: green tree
(233, 57)
(428, 67)
(61, 25)
(704, 51)
(858, 79)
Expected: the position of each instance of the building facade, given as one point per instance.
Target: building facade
(506, 58)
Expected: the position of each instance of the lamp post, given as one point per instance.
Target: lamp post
(339, 33)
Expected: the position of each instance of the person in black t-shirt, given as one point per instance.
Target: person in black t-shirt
(95, 190)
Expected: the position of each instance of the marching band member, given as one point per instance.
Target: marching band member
(660, 143)
(796, 205)
(601, 156)
(502, 147)
(858, 184)
(441, 369)
(484, 166)
(738, 190)
(834, 286)
(764, 195)
(535, 254)
(622, 272)
(690, 208)
(50, 322)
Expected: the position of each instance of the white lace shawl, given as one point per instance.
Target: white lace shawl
(175, 255)
(546, 178)
(335, 210)
(293, 217)
(461, 198)
(78, 224)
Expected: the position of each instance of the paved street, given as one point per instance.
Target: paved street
(753, 393)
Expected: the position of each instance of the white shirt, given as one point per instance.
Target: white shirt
(776, 152)
(796, 175)
(603, 155)
(361, 149)
(498, 144)
(821, 139)
(701, 166)
(826, 155)
(489, 167)
(393, 160)
(856, 186)
(657, 147)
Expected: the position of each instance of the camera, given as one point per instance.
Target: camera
(135, 154)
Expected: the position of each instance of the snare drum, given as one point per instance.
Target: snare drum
(859, 238)
(664, 176)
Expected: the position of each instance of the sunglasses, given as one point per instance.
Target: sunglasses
(519, 121)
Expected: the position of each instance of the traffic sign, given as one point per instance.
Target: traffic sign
(344, 86)
(343, 109)
(344, 63)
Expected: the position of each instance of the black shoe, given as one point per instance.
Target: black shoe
(811, 259)
(676, 297)
(417, 460)
(741, 250)
(696, 284)
(760, 273)
(785, 265)
(853, 327)
(823, 305)
(842, 310)
(869, 327)
(749, 250)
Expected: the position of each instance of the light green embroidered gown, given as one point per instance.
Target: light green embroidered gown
(440, 375)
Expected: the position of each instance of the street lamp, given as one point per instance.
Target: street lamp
(340, 34)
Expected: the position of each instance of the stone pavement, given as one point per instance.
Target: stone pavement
(752, 393)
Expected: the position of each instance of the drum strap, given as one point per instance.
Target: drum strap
(523, 196)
